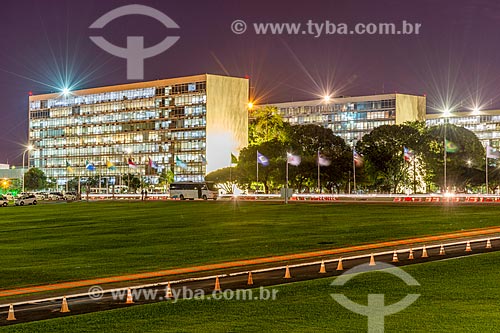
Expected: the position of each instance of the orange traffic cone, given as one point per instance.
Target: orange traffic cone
(442, 251)
(468, 248)
(410, 256)
(217, 284)
(287, 273)
(322, 268)
(424, 252)
(340, 267)
(395, 257)
(130, 299)
(488, 244)
(64, 306)
(11, 316)
(168, 294)
(250, 279)
(372, 260)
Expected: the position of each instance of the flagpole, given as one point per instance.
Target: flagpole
(353, 170)
(257, 159)
(487, 189)
(445, 157)
(319, 180)
(414, 176)
(286, 183)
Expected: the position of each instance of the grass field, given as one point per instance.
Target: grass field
(63, 242)
(460, 295)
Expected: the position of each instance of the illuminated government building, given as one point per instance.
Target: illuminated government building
(485, 124)
(189, 125)
(352, 117)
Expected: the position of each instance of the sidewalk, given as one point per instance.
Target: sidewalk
(249, 264)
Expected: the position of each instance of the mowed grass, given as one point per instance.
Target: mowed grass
(63, 242)
(460, 295)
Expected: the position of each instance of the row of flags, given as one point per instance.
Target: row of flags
(292, 159)
(133, 165)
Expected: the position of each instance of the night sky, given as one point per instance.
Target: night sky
(454, 60)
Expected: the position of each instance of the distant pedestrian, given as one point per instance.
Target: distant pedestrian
(142, 194)
(145, 194)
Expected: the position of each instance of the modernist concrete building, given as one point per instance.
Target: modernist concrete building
(485, 124)
(352, 117)
(190, 125)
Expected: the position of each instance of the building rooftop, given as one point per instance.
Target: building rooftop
(129, 86)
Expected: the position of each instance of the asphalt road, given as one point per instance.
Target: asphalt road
(47, 309)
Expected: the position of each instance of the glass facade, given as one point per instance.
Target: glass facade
(164, 125)
(485, 125)
(349, 118)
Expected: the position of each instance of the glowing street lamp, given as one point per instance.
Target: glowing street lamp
(327, 98)
(446, 113)
(66, 91)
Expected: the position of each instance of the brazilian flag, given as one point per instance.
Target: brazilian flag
(451, 147)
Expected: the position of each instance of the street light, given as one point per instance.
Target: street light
(28, 148)
(446, 114)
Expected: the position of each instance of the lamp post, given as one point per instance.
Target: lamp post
(446, 114)
(28, 148)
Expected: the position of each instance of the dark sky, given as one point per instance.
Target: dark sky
(454, 59)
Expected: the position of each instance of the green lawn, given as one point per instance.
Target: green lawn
(62, 242)
(460, 295)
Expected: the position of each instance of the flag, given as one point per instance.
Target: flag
(131, 163)
(68, 167)
(152, 164)
(450, 146)
(180, 163)
(262, 159)
(89, 166)
(358, 159)
(323, 161)
(234, 159)
(110, 165)
(492, 152)
(292, 159)
(408, 154)
(203, 160)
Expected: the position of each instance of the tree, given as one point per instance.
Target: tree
(166, 177)
(307, 141)
(132, 181)
(266, 125)
(383, 153)
(462, 164)
(35, 179)
(271, 176)
(225, 177)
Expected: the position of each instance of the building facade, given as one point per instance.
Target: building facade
(485, 124)
(189, 125)
(353, 117)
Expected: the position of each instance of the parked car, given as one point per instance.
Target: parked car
(70, 196)
(9, 197)
(40, 196)
(26, 200)
(55, 196)
(4, 202)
